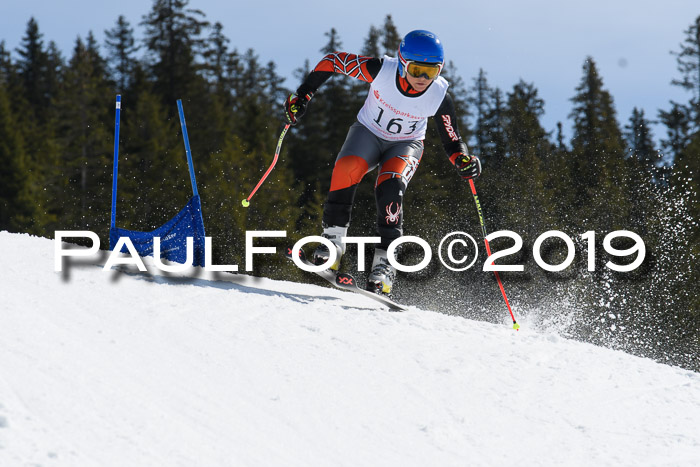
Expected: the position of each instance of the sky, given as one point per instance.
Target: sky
(544, 42)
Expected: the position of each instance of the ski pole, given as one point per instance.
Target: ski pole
(516, 326)
(246, 201)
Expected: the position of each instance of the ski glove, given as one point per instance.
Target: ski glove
(295, 106)
(467, 166)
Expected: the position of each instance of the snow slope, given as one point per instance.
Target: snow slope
(111, 369)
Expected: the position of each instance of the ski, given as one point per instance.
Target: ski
(325, 274)
(347, 282)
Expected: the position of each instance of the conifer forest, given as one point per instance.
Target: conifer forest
(57, 113)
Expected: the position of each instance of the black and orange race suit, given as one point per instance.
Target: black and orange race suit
(362, 151)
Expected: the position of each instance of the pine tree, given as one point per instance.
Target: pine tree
(9, 77)
(5, 64)
(682, 147)
(328, 116)
(272, 85)
(479, 100)
(315, 143)
(174, 44)
(54, 71)
(524, 133)
(679, 304)
(684, 179)
(688, 60)
(221, 68)
(609, 193)
(525, 200)
(16, 206)
(645, 171)
(677, 122)
(683, 123)
(309, 152)
(153, 181)
(85, 136)
(597, 154)
(32, 67)
(559, 164)
(34, 82)
(253, 108)
(371, 45)
(561, 145)
(391, 37)
(216, 57)
(120, 52)
(494, 148)
(641, 144)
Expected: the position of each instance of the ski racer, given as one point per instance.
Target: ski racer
(388, 134)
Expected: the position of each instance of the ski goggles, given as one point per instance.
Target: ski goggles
(425, 70)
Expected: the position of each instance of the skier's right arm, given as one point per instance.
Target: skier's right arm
(356, 66)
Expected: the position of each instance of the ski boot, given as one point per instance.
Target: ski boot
(381, 279)
(322, 253)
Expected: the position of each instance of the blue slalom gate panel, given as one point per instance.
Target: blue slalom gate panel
(173, 234)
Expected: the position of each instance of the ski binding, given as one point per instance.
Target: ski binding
(347, 282)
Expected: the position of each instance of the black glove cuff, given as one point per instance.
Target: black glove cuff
(304, 95)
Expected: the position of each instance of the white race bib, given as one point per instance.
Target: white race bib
(392, 116)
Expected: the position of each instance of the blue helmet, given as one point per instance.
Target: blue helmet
(420, 46)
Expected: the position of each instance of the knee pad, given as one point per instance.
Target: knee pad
(389, 196)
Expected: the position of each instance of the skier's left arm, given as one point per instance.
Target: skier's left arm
(467, 166)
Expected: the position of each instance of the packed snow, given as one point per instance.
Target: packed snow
(108, 368)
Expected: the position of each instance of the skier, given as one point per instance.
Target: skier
(388, 134)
